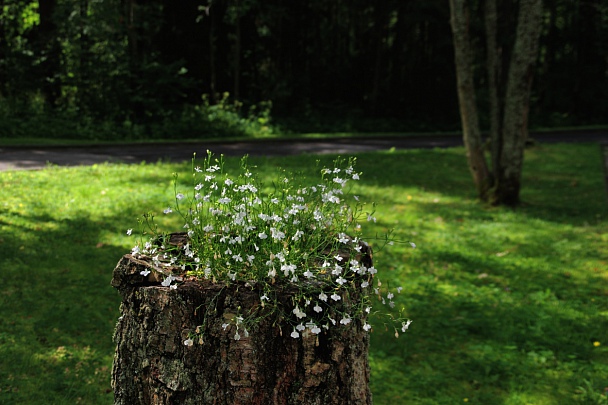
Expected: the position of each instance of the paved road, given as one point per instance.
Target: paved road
(24, 158)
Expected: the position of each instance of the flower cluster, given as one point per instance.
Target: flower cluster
(305, 236)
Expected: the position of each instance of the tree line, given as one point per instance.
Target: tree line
(324, 65)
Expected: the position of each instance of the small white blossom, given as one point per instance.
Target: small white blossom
(317, 308)
(300, 327)
(168, 210)
(295, 334)
(367, 327)
(180, 196)
(167, 281)
(298, 312)
(129, 231)
(405, 325)
(188, 342)
(345, 321)
(323, 297)
(413, 245)
(335, 297)
(144, 272)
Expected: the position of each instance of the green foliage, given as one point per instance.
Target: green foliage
(204, 121)
(507, 304)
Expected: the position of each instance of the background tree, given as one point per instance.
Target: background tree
(509, 80)
(139, 68)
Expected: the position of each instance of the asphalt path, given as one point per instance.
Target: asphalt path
(29, 158)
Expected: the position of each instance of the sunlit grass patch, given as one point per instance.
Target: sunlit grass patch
(507, 304)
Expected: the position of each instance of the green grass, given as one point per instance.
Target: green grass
(507, 304)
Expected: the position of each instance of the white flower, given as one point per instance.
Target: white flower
(317, 308)
(167, 281)
(323, 297)
(298, 312)
(370, 218)
(224, 200)
(135, 250)
(262, 235)
(264, 298)
(180, 196)
(367, 327)
(188, 342)
(372, 270)
(208, 228)
(225, 325)
(168, 210)
(413, 245)
(338, 258)
(144, 272)
(345, 321)
(300, 327)
(341, 280)
(237, 336)
(405, 325)
(308, 274)
(342, 238)
(335, 297)
(129, 231)
(315, 329)
(390, 296)
(295, 334)
(198, 186)
(228, 182)
(399, 289)
(364, 284)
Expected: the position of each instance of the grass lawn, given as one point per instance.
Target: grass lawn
(509, 306)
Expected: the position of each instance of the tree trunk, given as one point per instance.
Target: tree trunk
(494, 64)
(517, 101)
(152, 365)
(466, 98)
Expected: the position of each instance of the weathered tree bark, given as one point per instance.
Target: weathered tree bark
(517, 101)
(153, 366)
(466, 98)
(509, 97)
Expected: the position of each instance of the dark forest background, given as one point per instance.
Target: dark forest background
(134, 69)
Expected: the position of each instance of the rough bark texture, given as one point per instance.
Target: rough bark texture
(153, 366)
(466, 97)
(517, 101)
(508, 110)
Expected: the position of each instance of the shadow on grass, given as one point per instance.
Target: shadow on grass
(58, 310)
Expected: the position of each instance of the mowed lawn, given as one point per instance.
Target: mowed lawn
(510, 306)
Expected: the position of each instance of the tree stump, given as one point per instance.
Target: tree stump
(152, 365)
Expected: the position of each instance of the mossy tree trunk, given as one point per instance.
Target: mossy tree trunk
(153, 366)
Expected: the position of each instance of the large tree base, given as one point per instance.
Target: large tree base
(152, 365)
